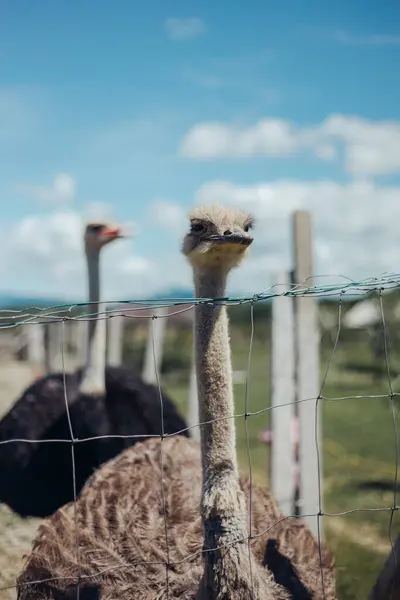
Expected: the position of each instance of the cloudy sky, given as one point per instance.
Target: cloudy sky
(140, 110)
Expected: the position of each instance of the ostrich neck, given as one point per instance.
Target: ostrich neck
(214, 377)
(222, 502)
(93, 381)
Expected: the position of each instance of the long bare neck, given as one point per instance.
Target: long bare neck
(214, 378)
(222, 502)
(93, 381)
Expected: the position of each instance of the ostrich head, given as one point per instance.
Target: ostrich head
(218, 238)
(99, 234)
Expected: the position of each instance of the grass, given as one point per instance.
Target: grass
(358, 446)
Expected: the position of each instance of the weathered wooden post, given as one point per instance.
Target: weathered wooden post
(282, 393)
(53, 352)
(115, 340)
(154, 348)
(307, 372)
(35, 347)
(81, 333)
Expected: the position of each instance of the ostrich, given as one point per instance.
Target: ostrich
(137, 530)
(36, 478)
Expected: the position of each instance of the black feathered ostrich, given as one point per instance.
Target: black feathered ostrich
(36, 478)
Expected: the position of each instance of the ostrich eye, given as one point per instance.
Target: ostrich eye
(246, 228)
(197, 227)
(96, 228)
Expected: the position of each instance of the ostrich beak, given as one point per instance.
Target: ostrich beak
(242, 239)
(114, 232)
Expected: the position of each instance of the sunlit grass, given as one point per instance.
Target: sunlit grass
(358, 446)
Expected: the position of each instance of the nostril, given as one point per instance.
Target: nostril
(228, 232)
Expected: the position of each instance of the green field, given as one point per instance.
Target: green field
(358, 439)
(358, 436)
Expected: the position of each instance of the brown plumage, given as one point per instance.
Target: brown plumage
(137, 529)
(126, 531)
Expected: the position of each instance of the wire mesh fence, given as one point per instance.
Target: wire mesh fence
(348, 436)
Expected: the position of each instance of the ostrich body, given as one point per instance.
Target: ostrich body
(36, 477)
(140, 530)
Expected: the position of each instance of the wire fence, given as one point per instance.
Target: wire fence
(346, 288)
(339, 291)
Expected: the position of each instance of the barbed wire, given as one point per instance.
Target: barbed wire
(132, 309)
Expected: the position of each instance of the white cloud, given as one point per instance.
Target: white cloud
(355, 229)
(371, 147)
(355, 234)
(355, 226)
(98, 211)
(184, 29)
(63, 189)
(325, 152)
(166, 214)
(273, 137)
(44, 255)
(372, 40)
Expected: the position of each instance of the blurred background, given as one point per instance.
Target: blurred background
(138, 111)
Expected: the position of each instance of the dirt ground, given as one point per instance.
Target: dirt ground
(16, 534)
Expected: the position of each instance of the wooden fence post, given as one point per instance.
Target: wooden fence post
(115, 340)
(153, 355)
(307, 372)
(35, 347)
(282, 392)
(53, 350)
(81, 336)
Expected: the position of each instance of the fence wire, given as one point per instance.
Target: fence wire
(135, 309)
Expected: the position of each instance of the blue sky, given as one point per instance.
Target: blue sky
(114, 102)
